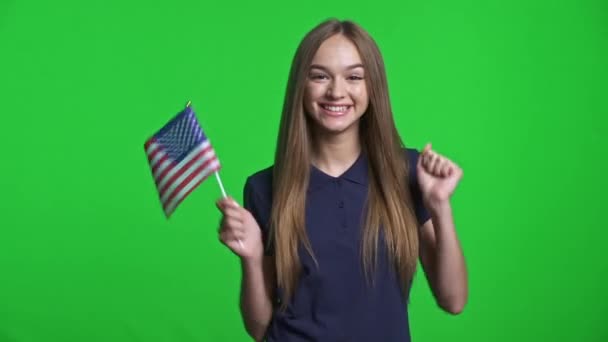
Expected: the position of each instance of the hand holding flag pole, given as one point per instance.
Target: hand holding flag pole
(219, 182)
(180, 158)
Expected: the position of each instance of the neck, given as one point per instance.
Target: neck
(334, 154)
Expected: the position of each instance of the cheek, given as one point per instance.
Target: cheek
(315, 91)
(312, 93)
(360, 95)
(359, 91)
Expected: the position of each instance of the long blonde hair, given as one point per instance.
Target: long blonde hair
(389, 205)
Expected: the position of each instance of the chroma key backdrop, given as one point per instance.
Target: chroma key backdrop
(515, 92)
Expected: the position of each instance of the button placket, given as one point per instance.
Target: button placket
(340, 204)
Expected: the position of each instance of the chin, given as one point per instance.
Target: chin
(337, 128)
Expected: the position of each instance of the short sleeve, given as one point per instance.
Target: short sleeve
(260, 210)
(420, 210)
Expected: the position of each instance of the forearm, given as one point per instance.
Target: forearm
(255, 301)
(451, 288)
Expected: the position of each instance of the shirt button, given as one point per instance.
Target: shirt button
(341, 204)
(343, 225)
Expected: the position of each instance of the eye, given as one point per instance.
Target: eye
(318, 77)
(355, 78)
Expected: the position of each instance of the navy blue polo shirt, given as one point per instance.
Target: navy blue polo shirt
(335, 302)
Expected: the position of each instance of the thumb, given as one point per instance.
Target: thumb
(425, 150)
(226, 202)
(232, 202)
(427, 147)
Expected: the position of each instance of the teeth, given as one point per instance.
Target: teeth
(336, 108)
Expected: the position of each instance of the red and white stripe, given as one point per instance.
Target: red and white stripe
(175, 181)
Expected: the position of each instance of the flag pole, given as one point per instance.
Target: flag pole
(219, 181)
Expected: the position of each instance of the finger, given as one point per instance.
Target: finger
(230, 202)
(219, 205)
(432, 161)
(230, 225)
(423, 155)
(233, 224)
(222, 236)
(226, 236)
(233, 229)
(236, 245)
(426, 157)
(439, 162)
(233, 213)
(457, 171)
(234, 202)
(231, 240)
(238, 234)
(427, 147)
(431, 157)
(450, 170)
(444, 167)
(226, 202)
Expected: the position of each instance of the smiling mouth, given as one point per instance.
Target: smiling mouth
(335, 109)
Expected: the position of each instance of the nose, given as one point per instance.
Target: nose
(336, 89)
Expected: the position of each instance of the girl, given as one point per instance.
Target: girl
(330, 235)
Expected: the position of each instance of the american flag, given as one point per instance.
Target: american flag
(181, 157)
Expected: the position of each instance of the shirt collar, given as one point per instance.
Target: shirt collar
(356, 173)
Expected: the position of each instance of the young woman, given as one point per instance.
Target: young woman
(330, 235)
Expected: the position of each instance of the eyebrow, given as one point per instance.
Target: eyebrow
(317, 66)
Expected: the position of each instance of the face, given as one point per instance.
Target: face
(336, 95)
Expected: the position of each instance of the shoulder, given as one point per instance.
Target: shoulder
(421, 212)
(411, 154)
(260, 182)
(257, 199)
(257, 194)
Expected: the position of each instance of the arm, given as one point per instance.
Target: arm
(442, 259)
(441, 255)
(256, 293)
(240, 232)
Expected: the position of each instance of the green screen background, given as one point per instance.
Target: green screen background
(514, 91)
